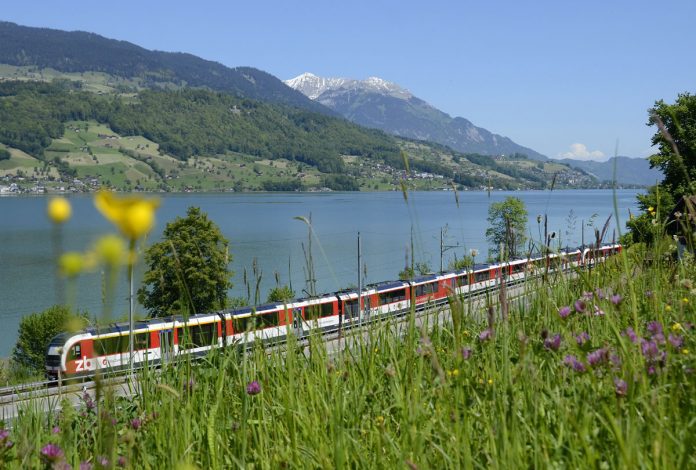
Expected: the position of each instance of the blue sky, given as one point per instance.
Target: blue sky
(560, 77)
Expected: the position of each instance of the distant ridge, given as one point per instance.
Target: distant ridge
(79, 51)
(634, 171)
(384, 105)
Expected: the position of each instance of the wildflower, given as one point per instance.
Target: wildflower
(133, 215)
(71, 264)
(651, 209)
(587, 296)
(582, 338)
(490, 381)
(103, 461)
(620, 387)
(5, 442)
(650, 349)
(564, 312)
(616, 299)
(580, 306)
(379, 420)
(55, 430)
(485, 335)
(600, 293)
(615, 360)
(111, 250)
(59, 210)
(655, 328)
(466, 353)
(572, 361)
(254, 388)
(136, 423)
(455, 373)
(121, 461)
(648, 294)
(51, 453)
(677, 327)
(553, 343)
(685, 300)
(676, 341)
(85, 465)
(598, 357)
(598, 312)
(668, 308)
(630, 334)
(685, 351)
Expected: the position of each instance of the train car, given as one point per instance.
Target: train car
(389, 298)
(316, 313)
(267, 323)
(429, 290)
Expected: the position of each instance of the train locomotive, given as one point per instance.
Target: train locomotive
(160, 340)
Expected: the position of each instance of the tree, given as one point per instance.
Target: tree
(508, 226)
(36, 330)
(188, 272)
(676, 140)
(280, 294)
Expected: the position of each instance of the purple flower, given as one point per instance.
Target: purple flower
(600, 294)
(587, 295)
(630, 334)
(564, 312)
(620, 387)
(615, 359)
(136, 423)
(51, 453)
(649, 349)
(55, 430)
(485, 335)
(553, 343)
(582, 338)
(598, 312)
(616, 299)
(572, 361)
(103, 461)
(655, 328)
(676, 341)
(254, 388)
(580, 306)
(85, 465)
(5, 442)
(598, 357)
(121, 461)
(466, 353)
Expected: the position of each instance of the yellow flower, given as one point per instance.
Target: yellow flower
(71, 264)
(111, 250)
(685, 351)
(133, 215)
(677, 327)
(455, 372)
(379, 421)
(490, 381)
(651, 209)
(59, 210)
(685, 300)
(668, 308)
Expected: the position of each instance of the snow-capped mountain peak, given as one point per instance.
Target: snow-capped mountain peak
(313, 87)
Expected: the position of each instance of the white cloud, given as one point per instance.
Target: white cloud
(580, 152)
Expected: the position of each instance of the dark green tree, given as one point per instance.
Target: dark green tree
(188, 271)
(280, 294)
(675, 139)
(507, 227)
(36, 330)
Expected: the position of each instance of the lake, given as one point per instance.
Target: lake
(261, 226)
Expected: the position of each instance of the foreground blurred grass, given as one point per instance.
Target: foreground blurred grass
(607, 383)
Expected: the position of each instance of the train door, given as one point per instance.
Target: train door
(297, 322)
(166, 338)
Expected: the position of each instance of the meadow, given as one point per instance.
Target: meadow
(590, 371)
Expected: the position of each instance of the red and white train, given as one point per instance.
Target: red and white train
(160, 340)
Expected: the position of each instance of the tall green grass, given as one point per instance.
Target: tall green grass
(472, 393)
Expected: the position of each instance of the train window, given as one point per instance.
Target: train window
(481, 276)
(243, 324)
(199, 335)
(460, 281)
(425, 289)
(351, 308)
(141, 341)
(113, 345)
(518, 268)
(75, 352)
(268, 319)
(392, 296)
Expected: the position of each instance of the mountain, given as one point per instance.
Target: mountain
(380, 104)
(635, 171)
(79, 51)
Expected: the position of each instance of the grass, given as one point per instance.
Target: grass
(438, 397)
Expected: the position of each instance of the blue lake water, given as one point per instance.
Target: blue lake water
(262, 226)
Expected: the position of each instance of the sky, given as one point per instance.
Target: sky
(567, 79)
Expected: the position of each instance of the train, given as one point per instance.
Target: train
(161, 340)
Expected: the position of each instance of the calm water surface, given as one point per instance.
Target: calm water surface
(262, 226)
